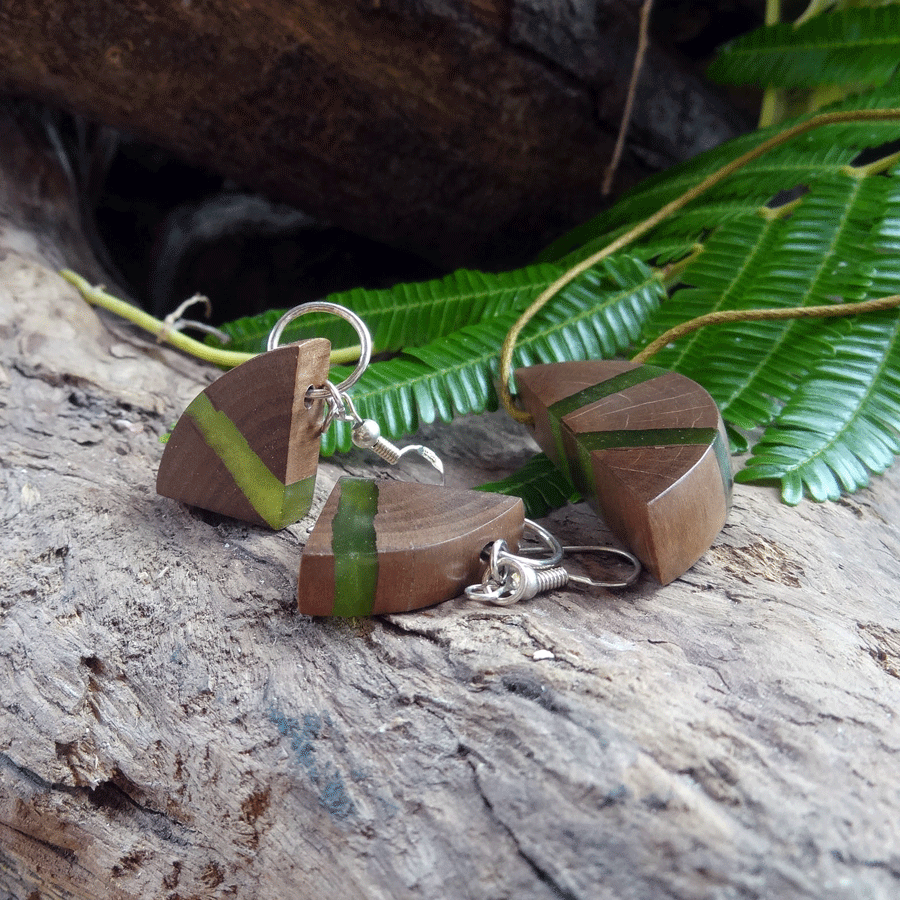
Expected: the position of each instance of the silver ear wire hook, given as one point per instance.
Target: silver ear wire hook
(510, 578)
(630, 558)
(365, 433)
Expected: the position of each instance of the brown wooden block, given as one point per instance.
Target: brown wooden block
(645, 446)
(248, 445)
(393, 546)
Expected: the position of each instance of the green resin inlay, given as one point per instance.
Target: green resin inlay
(650, 437)
(591, 394)
(604, 389)
(654, 437)
(724, 458)
(354, 545)
(277, 504)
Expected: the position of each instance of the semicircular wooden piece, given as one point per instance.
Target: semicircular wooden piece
(248, 445)
(646, 447)
(393, 546)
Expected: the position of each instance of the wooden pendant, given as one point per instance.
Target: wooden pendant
(392, 546)
(646, 447)
(248, 445)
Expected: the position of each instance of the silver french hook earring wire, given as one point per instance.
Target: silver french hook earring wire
(585, 581)
(366, 432)
(510, 578)
(527, 559)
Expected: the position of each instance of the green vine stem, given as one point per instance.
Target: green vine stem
(96, 296)
(772, 106)
(727, 316)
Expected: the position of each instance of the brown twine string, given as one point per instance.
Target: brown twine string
(506, 351)
(640, 53)
(758, 315)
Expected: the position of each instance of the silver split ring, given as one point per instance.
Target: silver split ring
(365, 340)
(500, 552)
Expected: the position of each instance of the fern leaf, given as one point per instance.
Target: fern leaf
(857, 45)
(843, 422)
(407, 314)
(824, 253)
(539, 483)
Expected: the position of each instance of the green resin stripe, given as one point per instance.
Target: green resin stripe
(278, 505)
(591, 394)
(649, 437)
(604, 389)
(588, 442)
(723, 455)
(353, 543)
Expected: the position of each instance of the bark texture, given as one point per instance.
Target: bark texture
(469, 131)
(170, 727)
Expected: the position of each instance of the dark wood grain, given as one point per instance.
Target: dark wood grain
(468, 132)
(248, 445)
(414, 545)
(646, 447)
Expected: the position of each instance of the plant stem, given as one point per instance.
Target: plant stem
(96, 296)
(772, 106)
(725, 316)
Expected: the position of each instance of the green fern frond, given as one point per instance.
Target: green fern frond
(855, 45)
(539, 483)
(600, 314)
(408, 314)
(824, 253)
(842, 423)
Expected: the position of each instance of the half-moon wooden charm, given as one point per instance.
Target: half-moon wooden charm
(393, 546)
(646, 447)
(248, 445)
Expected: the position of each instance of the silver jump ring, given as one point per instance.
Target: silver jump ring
(365, 340)
(544, 536)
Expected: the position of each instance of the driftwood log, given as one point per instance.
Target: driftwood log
(468, 131)
(171, 727)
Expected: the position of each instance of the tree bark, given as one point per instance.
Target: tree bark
(170, 727)
(468, 131)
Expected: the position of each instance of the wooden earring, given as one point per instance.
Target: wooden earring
(248, 445)
(646, 447)
(392, 546)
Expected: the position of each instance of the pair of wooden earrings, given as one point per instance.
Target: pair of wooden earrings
(646, 447)
(248, 447)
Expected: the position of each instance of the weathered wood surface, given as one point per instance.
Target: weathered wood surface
(469, 131)
(170, 727)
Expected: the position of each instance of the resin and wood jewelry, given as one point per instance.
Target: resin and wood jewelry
(392, 546)
(646, 447)
(248, 445)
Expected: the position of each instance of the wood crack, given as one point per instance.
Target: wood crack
(539, 871)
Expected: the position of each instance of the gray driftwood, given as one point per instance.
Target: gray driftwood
(171, 728)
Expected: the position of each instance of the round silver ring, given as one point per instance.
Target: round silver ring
(546, 538)
(365, 339)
